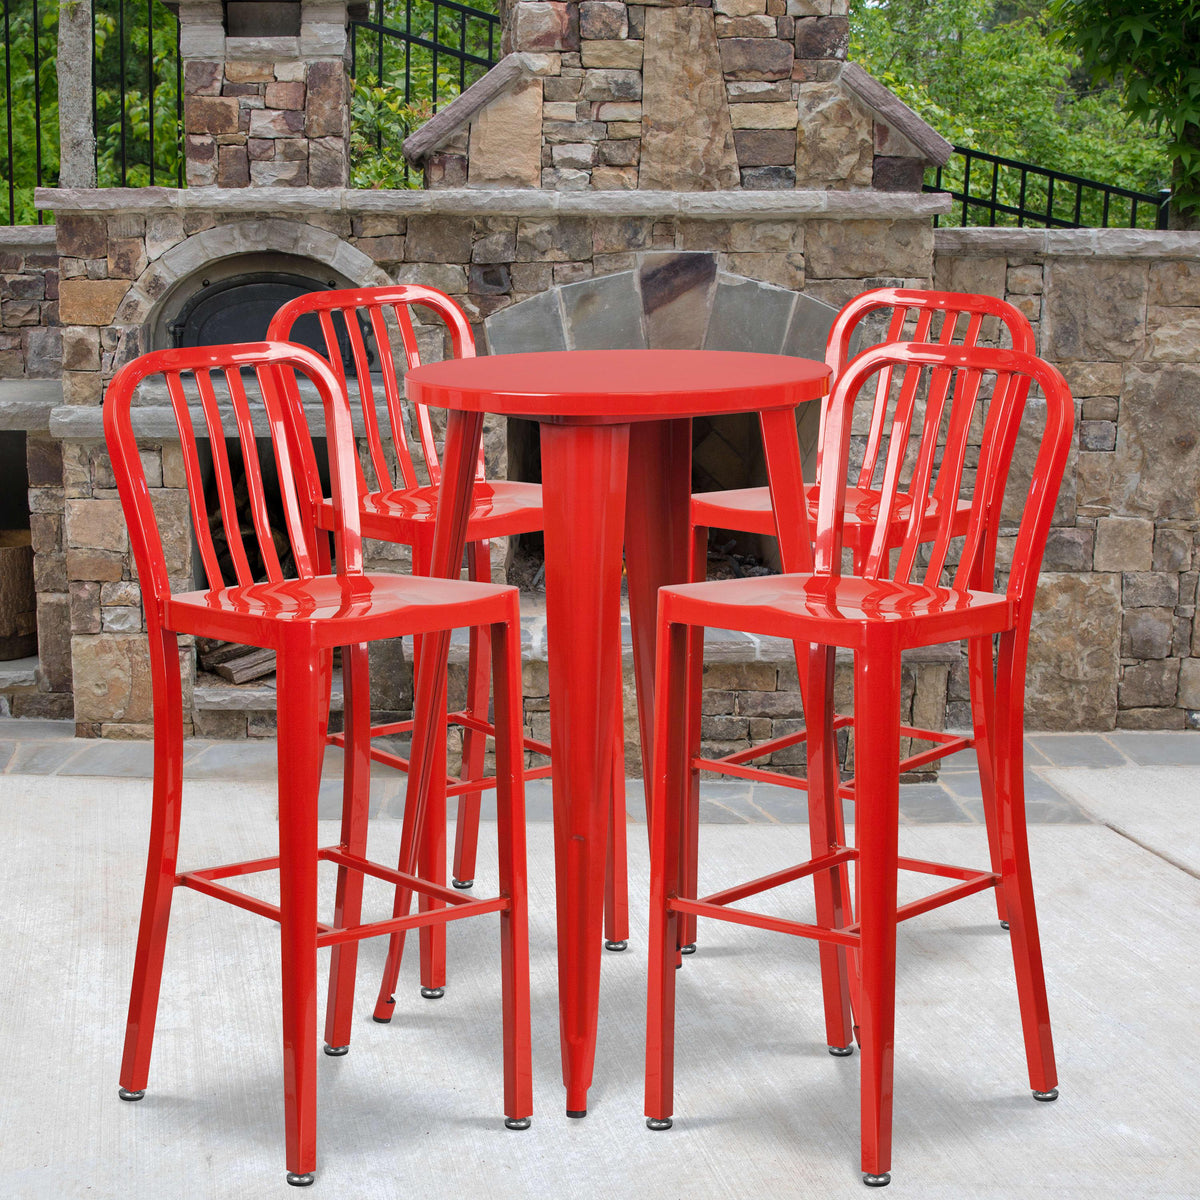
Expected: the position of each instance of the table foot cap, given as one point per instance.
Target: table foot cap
(433, 993)
(337, 1051)
(517, 1122)
(462, 884)
(304, 1180)
(576, 1113)
(841, 1051)
(658, 1123)
(690, 948)
(615, 947)
(1046, 1097)
(877, 1180)
(126, 1094)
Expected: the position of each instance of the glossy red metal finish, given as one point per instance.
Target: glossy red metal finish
(877, 614)
(616, 447)
(938, 318)
(398, 507)
(302, 617)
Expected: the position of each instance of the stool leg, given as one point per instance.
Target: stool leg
(356, 797)
(616, 876)
(466, 834)
(825, 830)
(510, 834)
(431, 846)
(299, 740)
(160, 864)
(670, 786)
(1018, 880)
(983, 715)
(690, 833)
(877, 781)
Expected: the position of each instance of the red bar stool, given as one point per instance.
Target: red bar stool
(374, 328)
(940, 318)
(303, 617)
(877, 613)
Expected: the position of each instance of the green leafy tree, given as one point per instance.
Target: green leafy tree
(1150, 50)
(401, 84)
(992, 76)
(29, 107)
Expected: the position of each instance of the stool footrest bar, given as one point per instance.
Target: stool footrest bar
(701, 908)
(801, 871)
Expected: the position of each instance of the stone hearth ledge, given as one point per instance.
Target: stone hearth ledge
(509, 202)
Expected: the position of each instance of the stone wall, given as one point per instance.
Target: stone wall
(671, 95)
(124, 254)
(30, 340)
(1118, 311)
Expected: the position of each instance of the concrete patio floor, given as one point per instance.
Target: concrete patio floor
(761, 1108)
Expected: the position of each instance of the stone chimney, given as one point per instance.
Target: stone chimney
(711, 95)
(266, 93)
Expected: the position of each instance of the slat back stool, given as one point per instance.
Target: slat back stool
(936, 317)
(240, 393)
(885, 609)
(375, 328)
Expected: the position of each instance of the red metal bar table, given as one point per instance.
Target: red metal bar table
(616, 471)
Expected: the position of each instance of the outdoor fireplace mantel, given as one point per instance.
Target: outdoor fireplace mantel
(517, 202)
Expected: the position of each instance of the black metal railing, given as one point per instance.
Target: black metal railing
(137, 94)
(409, 58)
(137, 99)
(991, 190)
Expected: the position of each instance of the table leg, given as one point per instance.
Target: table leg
(656, 545)
(583, 494)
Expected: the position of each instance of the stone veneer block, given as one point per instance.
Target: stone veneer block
(603, 19)
(1074, 647)
(604, 313)
(835, 143)
(534, 324)
(506, 139)
(622, 54)
(809, 328)
(748, 315)
(1095, 310)
(685, 146)
(1157, 460)
(756, 58)
(677, 291)
(764, 116)
(765, 147)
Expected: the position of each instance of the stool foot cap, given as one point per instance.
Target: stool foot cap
(615, 947)
(462, 884)
(841, 1051)
(1003, 924)
(433, 993)
(877, 1180)
(337, 1051)
(658, 1123)
(1046, 1097)
(126, 1094)
(690, 948)
(576, 1113)
(381, 1020)
(300, 1180)
(517, 1122)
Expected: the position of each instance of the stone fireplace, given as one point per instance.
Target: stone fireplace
(562, 204)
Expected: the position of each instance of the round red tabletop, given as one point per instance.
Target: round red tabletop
(609, 386)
